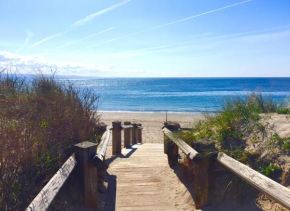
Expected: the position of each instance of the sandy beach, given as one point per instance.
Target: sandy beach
(152, 122)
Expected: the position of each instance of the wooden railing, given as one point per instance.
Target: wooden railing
(48, 193)
(84, 164)
(202, 158)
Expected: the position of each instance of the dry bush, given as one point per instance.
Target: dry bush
(40, 121)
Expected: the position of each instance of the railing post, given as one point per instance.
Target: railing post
(170, 148)
(127, 135)
(139, 133)
(116, 138)
(202, 172)
(134, 133)
(87, 172)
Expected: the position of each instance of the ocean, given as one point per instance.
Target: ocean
(178, 94)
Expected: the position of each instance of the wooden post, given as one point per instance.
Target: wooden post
(203, 169)
(134, 133)
(166, 139)
(139, 133)
(170, 148)
(116, 138)
(87, 172)
(127, 135)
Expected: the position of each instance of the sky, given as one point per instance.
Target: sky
(146, 38)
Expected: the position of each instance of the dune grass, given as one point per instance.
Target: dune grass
(240, 123)
(40, 121)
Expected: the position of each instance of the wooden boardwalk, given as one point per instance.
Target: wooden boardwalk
(139, 178)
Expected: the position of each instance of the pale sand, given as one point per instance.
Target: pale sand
(152, 122)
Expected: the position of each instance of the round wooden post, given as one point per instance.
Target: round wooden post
(127, 134)
(134, 133)
(203, 169)
(116, 138)
(87, 172)
(139, 133)
(170, 148)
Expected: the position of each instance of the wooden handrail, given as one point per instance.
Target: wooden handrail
(45, 197)
(269, 187)
(190, 152)
(102, 147)
(274, 190)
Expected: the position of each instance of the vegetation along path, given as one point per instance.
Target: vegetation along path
(144, 180)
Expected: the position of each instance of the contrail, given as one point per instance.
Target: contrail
(195, 16)
(101, 43)
(47, 38)
(94, 15)
(29, 35)
(167, 24)
(76, 41)
(185, 44)
(82, 22)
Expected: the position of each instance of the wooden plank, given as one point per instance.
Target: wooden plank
(127, 126)
(102, 147)
(274, 190)
(190, 152)
(50, 190)
(140, 183)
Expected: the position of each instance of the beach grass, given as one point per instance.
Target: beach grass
(242, 131)
(40, 121)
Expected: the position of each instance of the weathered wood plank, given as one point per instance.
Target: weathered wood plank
(48, 193)
(140, 183)
(190, 152)
(274, 190)
(127, 126)
(102, 147)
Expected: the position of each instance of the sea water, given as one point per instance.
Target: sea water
(179, 94)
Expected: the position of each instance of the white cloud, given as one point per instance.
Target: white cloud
(28, 64)
(94, 15)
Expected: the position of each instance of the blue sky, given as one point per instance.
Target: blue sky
(147, 38)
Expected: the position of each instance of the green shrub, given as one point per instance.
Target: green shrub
(282, 143)
(283, 111)
(40, 121)
(271, 170)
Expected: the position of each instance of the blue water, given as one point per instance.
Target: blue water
(179, 94)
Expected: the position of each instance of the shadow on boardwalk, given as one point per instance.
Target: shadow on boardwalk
(128, 155)
(108, 200)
